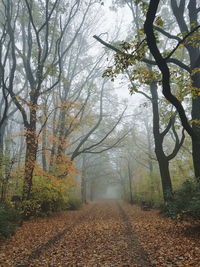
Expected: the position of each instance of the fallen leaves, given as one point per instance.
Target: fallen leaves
(104, 234)
(167, 242)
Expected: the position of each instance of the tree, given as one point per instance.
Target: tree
(42, 28)
(161, 61)
(125, 60)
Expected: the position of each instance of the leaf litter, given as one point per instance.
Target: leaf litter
(104, 234)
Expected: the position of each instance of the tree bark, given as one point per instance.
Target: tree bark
(83, 182)
(196, 115)
(165, 178)
(83, 189)
(31, 154)
(44, 147)
(194, 55)
(130, 183)
(158, 140)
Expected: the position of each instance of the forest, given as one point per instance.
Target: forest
(99, 133)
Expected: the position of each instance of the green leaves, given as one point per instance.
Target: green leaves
(159, 21)
(132, 52)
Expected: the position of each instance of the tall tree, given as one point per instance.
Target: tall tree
(161, 61)
(43, 27)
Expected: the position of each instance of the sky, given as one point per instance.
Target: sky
(112, 20)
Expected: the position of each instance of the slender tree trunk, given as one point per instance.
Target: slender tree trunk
(53, 149)
(92, 190)
(58, 150)
(83, 189)
(83, 182)
(44, 146)
(130, 183)
(52, 156)
(2, 132)
(123, 190)
(6, 180)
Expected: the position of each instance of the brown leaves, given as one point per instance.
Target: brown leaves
(167, 242)
(103, 235)
(33, 234)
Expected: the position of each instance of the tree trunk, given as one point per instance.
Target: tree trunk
(21, 147)
(196, 124)
(158, 140)
(194, 55)
(196, 157)
(52, 157)
(83, 190)
(92, 183)
(130, 183)
(30, 160)
(2, 132)
(44, 146)
(5, 183)
(83, 182)
(165, 178)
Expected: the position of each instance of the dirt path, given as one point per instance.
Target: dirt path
(104, 234)
(99, 235)
(102, 239)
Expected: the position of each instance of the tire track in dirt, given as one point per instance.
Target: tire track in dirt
(41, 248)
(138, 255)
(104, 238)
(90, 243)
(100, 236)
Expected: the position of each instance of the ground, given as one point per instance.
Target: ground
(105, 234)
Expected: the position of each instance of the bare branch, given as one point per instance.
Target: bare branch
(167, 34)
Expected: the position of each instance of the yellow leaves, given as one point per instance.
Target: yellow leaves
(33, 107)
(193, 40)
(195, 71)
(69, 105)
(144, 75)
(64, 168)
(181, 45)
(38, 171)
(196, 123)
(195, 91)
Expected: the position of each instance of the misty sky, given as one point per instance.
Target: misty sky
(117, 23)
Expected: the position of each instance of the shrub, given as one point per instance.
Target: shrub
(10, 218)
(45, 198)
(73, 204)
(31, 208)
(186, 201)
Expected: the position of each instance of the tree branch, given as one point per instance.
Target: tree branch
(178, 143)
(167, 34)
(182, 41)
(162, 64)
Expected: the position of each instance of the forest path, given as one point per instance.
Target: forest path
(105, 234)
(98, 235)
(104, 238)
